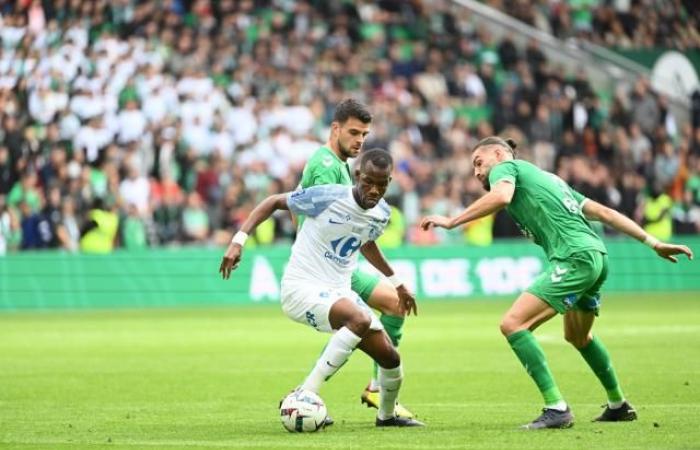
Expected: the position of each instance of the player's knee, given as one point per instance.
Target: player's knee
(359, 323)
(509, 325)
(391, 360)
(392, 308)
(576, 339)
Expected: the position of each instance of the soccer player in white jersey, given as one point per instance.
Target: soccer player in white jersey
(340, 220)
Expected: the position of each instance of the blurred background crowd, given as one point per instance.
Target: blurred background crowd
(146, 123)
(614, 23)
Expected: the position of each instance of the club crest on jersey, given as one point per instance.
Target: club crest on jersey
(327, 161)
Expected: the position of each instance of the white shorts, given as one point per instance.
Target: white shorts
(308, 304)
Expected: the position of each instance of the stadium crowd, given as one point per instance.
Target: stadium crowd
(163, 122)
(626, 24)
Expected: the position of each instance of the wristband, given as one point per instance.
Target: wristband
(394, 280)
(651, 241)
(239, 238)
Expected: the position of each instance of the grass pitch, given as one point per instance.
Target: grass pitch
(212, 378)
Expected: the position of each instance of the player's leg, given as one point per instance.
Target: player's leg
(350, 323)
(577, 331)
(526, 314)
(377, 345)
(547, 296)
(382, 296)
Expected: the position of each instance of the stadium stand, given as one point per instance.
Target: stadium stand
(174, 117)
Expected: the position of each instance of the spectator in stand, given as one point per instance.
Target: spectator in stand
(146, 103)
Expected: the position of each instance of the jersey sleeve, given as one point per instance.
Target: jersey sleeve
(505, 171)
(314, 200)
(579, 197)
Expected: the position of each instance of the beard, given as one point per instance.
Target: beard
(486, 184)
(345, 151)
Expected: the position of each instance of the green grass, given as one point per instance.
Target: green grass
(212, 378)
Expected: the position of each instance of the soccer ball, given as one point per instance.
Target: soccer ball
(302, 411)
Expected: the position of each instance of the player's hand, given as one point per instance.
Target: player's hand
(435, 221)
(667, 251)
(232, 258)
(407, 301)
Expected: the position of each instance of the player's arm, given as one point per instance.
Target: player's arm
(260, 213)
(595, 211)
(496, 199)
(407, 301)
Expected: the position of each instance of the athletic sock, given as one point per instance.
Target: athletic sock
(393, 325)
(599, 361)
(532, 358)
(336, 353)
(389, 385)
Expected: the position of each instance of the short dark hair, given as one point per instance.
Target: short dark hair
(351, 108)
(380, 158)
(508, 144)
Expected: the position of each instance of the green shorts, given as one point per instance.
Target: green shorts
(364, 283)
(573, 283)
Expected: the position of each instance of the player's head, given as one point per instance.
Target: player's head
(372, 176)
(489, 152)
(350, 127)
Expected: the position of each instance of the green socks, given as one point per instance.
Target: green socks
(598, 359)
(393, 325)
(532, 358)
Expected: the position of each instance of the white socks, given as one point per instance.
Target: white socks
(559, 406)
(389, 385)
(615, 405)
(336, 353)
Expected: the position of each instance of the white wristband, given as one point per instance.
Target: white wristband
(651, 241)
(394, 280)
(239, 238)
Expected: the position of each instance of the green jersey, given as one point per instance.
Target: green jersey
(324, 167)
(547, 210)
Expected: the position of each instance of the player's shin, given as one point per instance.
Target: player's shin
(530, 354)
(597, 357)
(393, 325)
(389, 385)
(336, 353)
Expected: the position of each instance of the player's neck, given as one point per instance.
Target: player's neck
(336, 151)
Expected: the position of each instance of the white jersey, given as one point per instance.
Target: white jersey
(326, 249)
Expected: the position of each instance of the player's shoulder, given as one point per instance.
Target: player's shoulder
(516, 168)
(517, 163)
(322, 158)
(384, 208)
(380, 213)
(323, 192)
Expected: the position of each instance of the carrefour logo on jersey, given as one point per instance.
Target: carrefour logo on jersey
(343, 249)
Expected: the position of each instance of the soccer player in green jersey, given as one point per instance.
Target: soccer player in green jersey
(328, 165)
(556, 218)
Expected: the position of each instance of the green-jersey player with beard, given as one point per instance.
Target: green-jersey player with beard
(556, 218)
